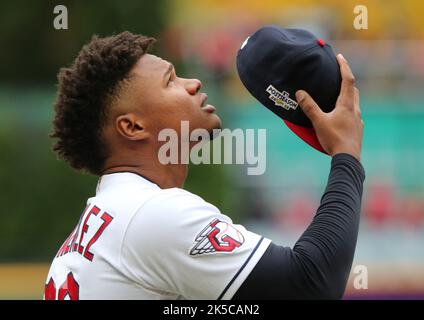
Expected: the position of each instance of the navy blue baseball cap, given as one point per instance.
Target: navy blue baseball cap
(274, 62)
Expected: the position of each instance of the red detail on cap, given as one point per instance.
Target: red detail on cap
(321, 42)
(306, 134)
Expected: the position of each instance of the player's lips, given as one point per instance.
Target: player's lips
(206, 107)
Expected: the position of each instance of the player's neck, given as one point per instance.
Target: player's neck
(165, 176)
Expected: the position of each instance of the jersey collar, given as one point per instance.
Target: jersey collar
(120, 177)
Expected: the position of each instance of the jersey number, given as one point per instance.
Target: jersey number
(69, 288)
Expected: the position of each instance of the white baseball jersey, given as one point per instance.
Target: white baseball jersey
(135, 240)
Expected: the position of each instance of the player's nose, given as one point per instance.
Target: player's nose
(193, 86)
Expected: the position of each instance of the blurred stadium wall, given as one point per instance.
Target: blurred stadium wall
(42, 198)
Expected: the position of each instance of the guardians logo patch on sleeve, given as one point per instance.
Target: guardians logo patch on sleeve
(217, 236)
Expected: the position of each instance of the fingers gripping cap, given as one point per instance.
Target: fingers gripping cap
(274, 62)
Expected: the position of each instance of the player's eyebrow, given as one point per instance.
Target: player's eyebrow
(168, 71)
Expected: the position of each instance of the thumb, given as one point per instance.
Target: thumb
(308, 105)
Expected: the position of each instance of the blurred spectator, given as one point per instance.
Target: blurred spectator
(380, 204)
(296, 211)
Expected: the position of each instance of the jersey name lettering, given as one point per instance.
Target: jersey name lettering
(88, 222)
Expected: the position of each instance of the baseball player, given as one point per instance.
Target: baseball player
(142, 236)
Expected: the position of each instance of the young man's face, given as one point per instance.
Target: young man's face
(163, 100)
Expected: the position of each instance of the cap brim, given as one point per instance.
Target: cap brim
(306, 134)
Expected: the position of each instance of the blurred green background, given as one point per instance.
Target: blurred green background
(42, 198)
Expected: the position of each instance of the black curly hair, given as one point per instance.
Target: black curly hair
(85, 91)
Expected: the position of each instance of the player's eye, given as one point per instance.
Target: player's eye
(170, 80)
(172, 77)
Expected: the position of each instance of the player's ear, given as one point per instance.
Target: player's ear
(131, 126)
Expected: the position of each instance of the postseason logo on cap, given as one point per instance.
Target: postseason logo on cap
(281, 99)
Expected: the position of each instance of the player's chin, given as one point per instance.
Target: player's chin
(214, 124)
(206, 119)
